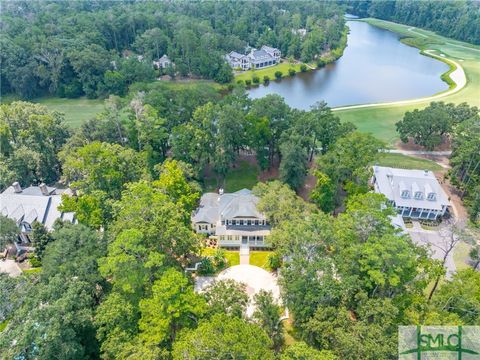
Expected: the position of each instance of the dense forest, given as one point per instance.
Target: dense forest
(114, 286)
(455, 19)
(71, 48)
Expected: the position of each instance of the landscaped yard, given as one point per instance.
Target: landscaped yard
(244, 176)
(233, 257)
(260, 259)
(407, 162)
(270, 72)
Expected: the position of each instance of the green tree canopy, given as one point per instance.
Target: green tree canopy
(223, 337)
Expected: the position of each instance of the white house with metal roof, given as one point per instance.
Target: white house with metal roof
(35, 203)
(256, 59)
(233, 219)
(415, 194)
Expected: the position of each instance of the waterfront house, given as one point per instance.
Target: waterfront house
(35, 203)
(255, 59)
(415, 194)
(233, 219)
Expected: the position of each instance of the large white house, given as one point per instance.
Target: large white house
(415, 194)
(35, 203)
(233, 219)
(256, 59)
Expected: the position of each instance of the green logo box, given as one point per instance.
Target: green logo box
(439, 342)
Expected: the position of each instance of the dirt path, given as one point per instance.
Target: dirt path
(457, 76)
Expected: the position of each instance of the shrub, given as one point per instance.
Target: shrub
(35, 262)
(248, 82)
(291, 72)
(278, 74)
(266, 79)
(320, 63)
(240, 82)
(303, 68)
(219, 260)
(255, 79)
(206, 267)
(274, 261)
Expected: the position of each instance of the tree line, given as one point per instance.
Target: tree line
(455, 19)
(73, 48)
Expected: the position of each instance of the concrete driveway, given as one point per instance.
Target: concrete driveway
(253, 277)
(436, 244)
(10, 267)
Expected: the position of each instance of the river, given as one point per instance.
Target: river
(375, 67)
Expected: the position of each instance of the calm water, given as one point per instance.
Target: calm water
(375, 67)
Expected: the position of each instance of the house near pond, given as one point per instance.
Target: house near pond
(415, 194)
(255, 59)
(233, 219)
(35, 203)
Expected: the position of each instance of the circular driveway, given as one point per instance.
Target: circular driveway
(253, 277)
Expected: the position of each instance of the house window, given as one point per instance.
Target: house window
(237, 222)
(405, 194)
(249, 222)
(431, 196)
(230, 222)
(418, 195)
(256, 222)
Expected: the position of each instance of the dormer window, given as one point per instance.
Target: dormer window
(431, 196)
(405, 194)
(418, 195)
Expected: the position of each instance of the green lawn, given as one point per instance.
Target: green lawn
(3, 325)
(461, 255)
(76, 111)
(380, 121)
(32, 270)
(233, 257)
(260, 259)
(270, 72)
(407, 162)
(244, 176)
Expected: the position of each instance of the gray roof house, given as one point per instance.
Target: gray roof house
(35, 203)
(233, 218)
(415, 194)
(255, 59)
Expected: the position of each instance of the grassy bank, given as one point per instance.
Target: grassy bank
(380, 121)
(407, 162)
(270, 72)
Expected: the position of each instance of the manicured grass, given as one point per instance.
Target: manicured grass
(242, 177)
(380, 121)
(33, 270)
(407, 162)
(461, 255)
(270, 72)
(76, 111)
(233, 257)
(260, 259)
(3, 325)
